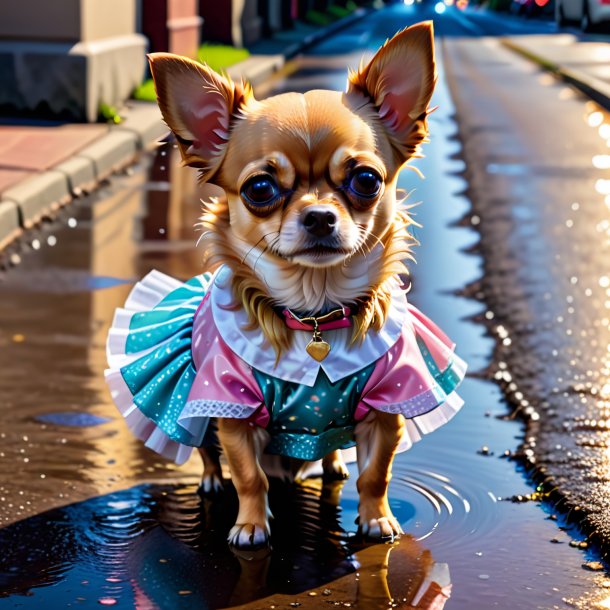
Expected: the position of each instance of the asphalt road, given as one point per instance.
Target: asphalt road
(92, 518)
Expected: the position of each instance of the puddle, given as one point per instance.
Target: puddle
(164, 547)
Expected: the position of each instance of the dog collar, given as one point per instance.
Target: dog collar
(295, 365)
(318, 348)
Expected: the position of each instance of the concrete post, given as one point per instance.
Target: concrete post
(172, 25)
(234, 22)
(67, 57)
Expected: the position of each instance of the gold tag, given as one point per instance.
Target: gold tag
(317, 348)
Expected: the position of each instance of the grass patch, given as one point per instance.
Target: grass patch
(146, 91)
(318, 18)
(338, 12)
(218, 57)
(109, 113)
(332, 13)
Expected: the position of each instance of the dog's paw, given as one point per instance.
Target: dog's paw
(248, 536)
(211, 484)
(382, 528)
(336, 470)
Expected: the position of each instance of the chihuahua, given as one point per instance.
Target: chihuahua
(314, 241)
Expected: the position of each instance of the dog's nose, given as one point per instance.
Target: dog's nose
(320, 223)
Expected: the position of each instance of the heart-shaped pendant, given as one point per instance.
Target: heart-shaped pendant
(318, 349)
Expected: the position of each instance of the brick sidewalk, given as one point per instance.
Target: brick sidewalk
(27, 150)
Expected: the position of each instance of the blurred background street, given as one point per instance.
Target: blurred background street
(506, 507)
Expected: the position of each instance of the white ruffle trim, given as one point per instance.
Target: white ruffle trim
(143, 428)
(417, 427)
(145, 295)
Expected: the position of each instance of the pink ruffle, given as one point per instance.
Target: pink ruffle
(401, 381)
(224, 385)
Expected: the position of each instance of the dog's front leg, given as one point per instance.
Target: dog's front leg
(377, 439)
(211, 481)
(240, 448)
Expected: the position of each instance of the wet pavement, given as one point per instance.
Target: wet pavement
(93, 518)
(541, 201)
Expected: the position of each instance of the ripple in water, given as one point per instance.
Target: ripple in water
(432, 504)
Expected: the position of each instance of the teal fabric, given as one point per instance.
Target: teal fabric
(447, 380)
(173, 313)
(309, 422)
(160, 381)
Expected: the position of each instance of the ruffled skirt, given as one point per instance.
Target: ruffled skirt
(151, 371)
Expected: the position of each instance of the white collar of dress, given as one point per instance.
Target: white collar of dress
(295, 364)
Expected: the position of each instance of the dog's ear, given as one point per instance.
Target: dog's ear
(198, 105)
(399, 82)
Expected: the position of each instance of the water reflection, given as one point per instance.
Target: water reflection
(165, 547)
(58, 293)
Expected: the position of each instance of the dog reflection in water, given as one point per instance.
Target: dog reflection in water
(314, 562)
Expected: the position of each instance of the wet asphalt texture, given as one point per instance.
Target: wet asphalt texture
(91, 518)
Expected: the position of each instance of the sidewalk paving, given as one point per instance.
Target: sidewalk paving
(44, 166)
(585, 64)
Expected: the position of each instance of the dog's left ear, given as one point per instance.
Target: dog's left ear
(399, 82)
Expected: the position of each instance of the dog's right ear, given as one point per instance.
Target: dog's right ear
(198, 105)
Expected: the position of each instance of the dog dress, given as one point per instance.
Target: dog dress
(181, 354)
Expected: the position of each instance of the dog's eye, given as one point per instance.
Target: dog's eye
(365, 183)
(260, 191)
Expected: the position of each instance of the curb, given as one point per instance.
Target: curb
(257, 69)
(329, 30)
(9, 222)
(596, 89)
(40, 196)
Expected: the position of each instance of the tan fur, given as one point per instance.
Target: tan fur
(309, 147)
(377, 439)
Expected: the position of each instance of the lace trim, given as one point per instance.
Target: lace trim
(425, 402)
(215, 408)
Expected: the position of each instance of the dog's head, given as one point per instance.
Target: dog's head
(309, 177)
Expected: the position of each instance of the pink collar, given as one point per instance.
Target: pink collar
(338, 318)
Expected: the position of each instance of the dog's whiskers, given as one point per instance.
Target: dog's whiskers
(256, 245)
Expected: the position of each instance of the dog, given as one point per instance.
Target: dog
(309, 244)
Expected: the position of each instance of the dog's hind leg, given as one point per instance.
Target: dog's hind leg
(377, 438)
(242, 451)
(334, 467)
(211, 481)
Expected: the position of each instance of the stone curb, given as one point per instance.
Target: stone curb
(596, 89)
(38, 196)
(9, 222)
(29, 201)
(110, 153)
(41, 195)
(145, 122)
(257, 69)
(319, 35)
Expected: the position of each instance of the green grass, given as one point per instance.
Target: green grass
(218, 57)
(333, 13)
(146, 91)
(318, 18)
(109, 114)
